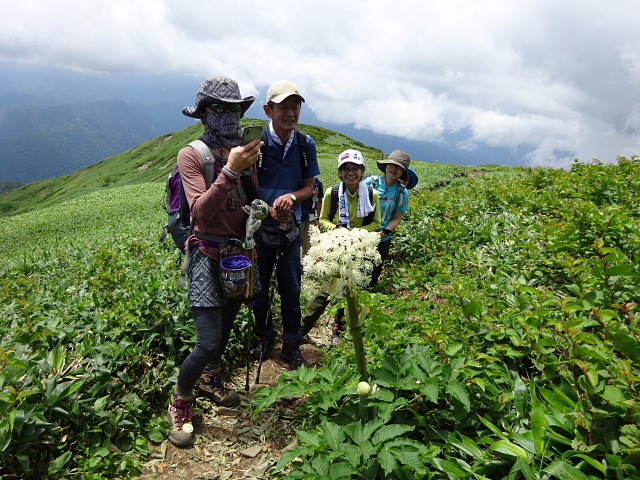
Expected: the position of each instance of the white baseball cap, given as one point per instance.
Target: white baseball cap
(350, 156)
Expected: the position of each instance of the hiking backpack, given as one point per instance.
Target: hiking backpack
(176, 204)
(178, 210)
(333, 207)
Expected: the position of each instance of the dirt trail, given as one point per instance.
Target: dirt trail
(230, 443)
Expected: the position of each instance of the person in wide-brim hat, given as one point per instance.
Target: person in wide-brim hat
(399, 158)
(217, 90)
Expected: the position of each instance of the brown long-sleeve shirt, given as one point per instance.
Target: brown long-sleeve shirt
(217, 210)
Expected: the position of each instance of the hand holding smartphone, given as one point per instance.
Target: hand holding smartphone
(251, 133)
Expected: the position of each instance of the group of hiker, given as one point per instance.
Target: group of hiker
(268, 178)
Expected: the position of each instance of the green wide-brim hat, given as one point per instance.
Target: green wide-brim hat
(397, 157)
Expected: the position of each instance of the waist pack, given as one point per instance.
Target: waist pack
(273, 236)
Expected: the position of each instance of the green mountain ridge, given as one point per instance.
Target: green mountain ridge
(152, 161)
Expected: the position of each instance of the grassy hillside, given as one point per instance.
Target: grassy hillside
(502, 341)
(152, 161)
(5, 185)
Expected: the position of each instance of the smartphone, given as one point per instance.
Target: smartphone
(251, 133)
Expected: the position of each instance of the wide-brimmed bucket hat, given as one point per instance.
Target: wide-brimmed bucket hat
(217, 90)
(413, 178)
(397, 157)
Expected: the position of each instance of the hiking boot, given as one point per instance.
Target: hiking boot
(180, 418)
(291, 354)
(263, 350)
(212, 387)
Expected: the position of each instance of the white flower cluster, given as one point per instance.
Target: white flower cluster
(346, 255)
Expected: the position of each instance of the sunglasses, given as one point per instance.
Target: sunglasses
(224, 107)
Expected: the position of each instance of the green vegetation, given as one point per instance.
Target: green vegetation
(505, 345)
(502, 342)
(152, 161)
(5, 185)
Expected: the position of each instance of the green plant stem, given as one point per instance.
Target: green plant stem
(356, 333)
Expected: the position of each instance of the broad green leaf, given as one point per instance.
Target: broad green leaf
(618, 270)
(592, 461)
(363, 432)
(508, 448)
(342, 470)
(333, 434)
(407, 452)
(390, 431)
(524, 440)
(585, 350)
(430, 390)
(473, 309)
(353, 453)
(311, 438)
(520, 392)
(628, 345)
(387, 461)
(538, 424)
(614, 395)
(56, 357)
(59, 463)
(449, 468)
(460, 392)
(466, 445)
(564, 471)
(496, 431)
(525, 468)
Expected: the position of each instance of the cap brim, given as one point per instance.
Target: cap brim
(283, 96)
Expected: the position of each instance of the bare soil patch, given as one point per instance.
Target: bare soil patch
(230, 443)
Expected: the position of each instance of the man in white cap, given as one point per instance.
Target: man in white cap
(285, 177)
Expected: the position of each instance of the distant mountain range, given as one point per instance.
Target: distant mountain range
(55, 121)
(44, 142)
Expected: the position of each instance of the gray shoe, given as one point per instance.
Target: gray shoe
(180, 418)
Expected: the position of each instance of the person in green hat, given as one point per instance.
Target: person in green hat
(392, 188)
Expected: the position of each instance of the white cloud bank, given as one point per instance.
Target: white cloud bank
(561, 77)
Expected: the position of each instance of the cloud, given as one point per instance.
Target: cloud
(562, 77)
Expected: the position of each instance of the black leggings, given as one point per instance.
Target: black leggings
(213, 327)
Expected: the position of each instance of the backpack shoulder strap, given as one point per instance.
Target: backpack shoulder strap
(207, 157)
(334, 202)
(401, 189)
(369, 218)
(302, 148)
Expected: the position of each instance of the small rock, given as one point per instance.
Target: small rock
(251, 452)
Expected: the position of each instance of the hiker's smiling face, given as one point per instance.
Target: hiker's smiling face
(351, 174)
(393, 173)
(285, 115)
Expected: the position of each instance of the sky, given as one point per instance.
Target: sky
(559, 76)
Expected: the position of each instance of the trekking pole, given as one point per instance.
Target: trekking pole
(252, 273)
(283, 227)
(257, 212)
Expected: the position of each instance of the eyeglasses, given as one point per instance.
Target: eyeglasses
(350, 168)
(224, 107)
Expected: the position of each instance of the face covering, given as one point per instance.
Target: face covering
(222, 129)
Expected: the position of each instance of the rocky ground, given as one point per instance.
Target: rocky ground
(230, 443)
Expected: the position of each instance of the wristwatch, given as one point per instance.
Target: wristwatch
(293, 197)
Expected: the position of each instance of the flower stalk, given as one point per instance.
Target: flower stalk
(345, 259)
